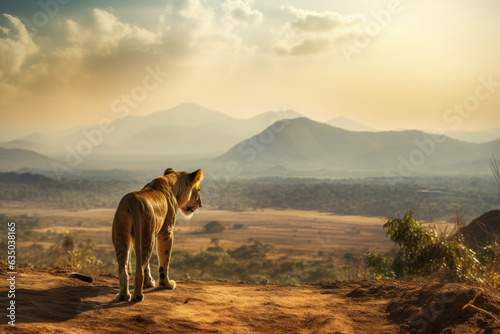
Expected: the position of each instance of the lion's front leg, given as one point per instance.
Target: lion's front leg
(165, 242)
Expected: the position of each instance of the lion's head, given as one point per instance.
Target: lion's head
(189, 192)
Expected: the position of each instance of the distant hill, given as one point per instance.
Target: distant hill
(174, 139)
(303, 144)
(189, 133)
(475, 136)
(185, 129)
(348, 124)
(40, 142)
(15, 159)
(270, 117)
(478, 136)
(8, 135)
(187, 114)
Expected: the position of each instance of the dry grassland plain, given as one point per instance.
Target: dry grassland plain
(296, 234)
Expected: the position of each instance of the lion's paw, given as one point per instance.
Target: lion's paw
(149, 284)
(170, 284)
(122, 298)
(137, 298)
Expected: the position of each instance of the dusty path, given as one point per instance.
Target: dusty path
(47, 301)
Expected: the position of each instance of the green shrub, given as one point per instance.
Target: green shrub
(423, 252)
(213, 227)
(378, 265)
(239, 226)
(255, 252)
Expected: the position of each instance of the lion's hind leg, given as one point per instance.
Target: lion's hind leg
(123, 256)
(141, 269)
(143, 249)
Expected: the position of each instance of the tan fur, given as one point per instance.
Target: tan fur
(152, 212)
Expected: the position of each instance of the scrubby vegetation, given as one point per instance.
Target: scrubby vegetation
(423, 252)
(418, 251)
(249, 262)
(33, 190)
(239, 226)
(213, 227)
(436, 197)
(49, 248)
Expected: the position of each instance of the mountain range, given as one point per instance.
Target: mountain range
(479, 136)
(348, 124)
(185, 129)
(15, 159)
(271, 141)
(303, 144)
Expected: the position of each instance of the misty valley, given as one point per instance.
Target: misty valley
(277, 228)
(339, 179)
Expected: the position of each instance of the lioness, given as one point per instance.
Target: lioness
(145, 215)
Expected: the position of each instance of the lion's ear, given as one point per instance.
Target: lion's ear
(196, 177)
(168, 171)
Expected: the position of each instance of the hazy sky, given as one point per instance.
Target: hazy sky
(387, 64)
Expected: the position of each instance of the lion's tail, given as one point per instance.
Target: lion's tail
(84, 278)
(136, 209)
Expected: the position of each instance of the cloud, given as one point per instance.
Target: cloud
(310, 21)
(15, 47)
(240, 12)
(99, 44)
(90, 60)
(187, 30)
(93, 49)
(185, 25)
(103, 33)
(306, 47)
(310, 32)
(195, 26)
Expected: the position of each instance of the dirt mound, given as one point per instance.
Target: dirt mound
(47, 301)
(482, 231)
(439, 308)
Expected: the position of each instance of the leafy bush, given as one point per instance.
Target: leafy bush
(255, 252)
(250, 263)
(378, 265)
(239, 226)
(213, 227)
(423, 252)
(204, 265)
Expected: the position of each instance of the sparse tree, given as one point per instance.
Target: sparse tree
(213, 227)
(215, 242)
